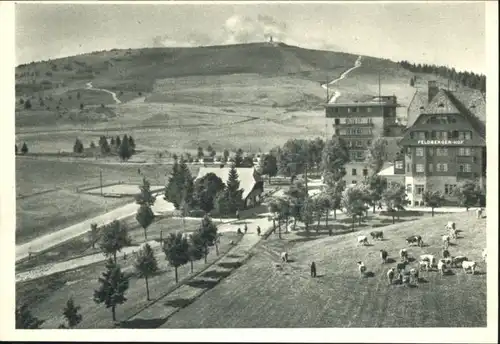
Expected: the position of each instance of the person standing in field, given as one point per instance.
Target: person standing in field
(238, 214)
(313, 269)
(245, 228)
(258, 230)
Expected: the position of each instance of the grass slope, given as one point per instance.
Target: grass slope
(258, 295)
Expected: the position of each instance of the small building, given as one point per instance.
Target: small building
(394, 173)
(445, 142)
(250, 181)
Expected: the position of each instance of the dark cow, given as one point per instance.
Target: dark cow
(414, 239)
(383, 255)
(400, 267)
(379, 235)
(446, 253)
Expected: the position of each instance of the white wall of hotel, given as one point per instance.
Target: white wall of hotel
(436, 183)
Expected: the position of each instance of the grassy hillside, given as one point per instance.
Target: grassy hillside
(260, 295)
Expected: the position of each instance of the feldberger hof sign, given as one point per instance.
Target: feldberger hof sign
(440, 142)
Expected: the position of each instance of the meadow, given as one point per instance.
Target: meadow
(258, 294)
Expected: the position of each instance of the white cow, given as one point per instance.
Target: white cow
(430, 258)
(468, 265)
(450, 225)
(363, 239)
(479, 213)
(284, 257)
(403, 253)
(390, 275)
(414, 275)
(441, 267)
(453, 233)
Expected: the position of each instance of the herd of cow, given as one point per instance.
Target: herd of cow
(401, 275)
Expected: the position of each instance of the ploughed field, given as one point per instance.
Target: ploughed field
(258, 294)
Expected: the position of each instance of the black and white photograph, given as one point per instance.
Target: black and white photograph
(250, 165)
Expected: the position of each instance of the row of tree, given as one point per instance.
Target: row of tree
(24, 148)
(206, 194)
(469, 79)
(124, 147)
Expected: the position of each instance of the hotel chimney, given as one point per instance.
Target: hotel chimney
(433, 89)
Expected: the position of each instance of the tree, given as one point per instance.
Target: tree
(395, 199)
(376, 155)
(208, 233)
(71, 314)
(274, 208)
(293, 158)
(16, 149)
(376, 187)
(94, 234)
(316, 147)
(103, 144)
(468, 193)
(206, 189)
(118, 141)
(81, 106)
(146, 195)
(24, 148)
(27, 104)
(296, 195)
(145, 218)
(113, 285)
(307, 213)
(26, 320)
(114, 237)
(92, 144)
(335, 156)
(353, 201)
(238, 158)
(180, 184)
(323, 202)
(284, 211)
(433, 199)
(221, 203)
(196, 248)
(334, 190)
(268, 165)
(131, 144)
(124, 150)
(200, 153)
(234, 193)
(226, 155)
(176, 249)
(146, 264)
(412, 82)
(78, 147)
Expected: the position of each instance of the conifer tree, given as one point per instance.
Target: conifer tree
(113, 285)
(146, 265)
(234, 193)
(71, 314)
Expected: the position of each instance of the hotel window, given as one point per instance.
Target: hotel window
(431, 167)
(408, 188)
(354, 181)
(442, 135)
(420, 168)
(433, 135)
(336, 110)
(454, 134)
(442, 151)
(337, 121)
(399, 165)
(359, 143)
(349, 110)
(365, 172)
(465, 168)
(449, 188)
(408, 168)
(353, 171)
(421, 135)
(369, 142)
(431, 151)
(464, 152)
(408, 150)
(419, 189)
(442, 167)
(369, 109)
(355, 109)
(419, 151)
(465, 135)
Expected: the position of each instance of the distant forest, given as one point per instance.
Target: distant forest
(468, 79)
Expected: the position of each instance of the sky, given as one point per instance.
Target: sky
(451, 34)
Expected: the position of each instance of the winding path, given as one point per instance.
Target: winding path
(113, 94)
(336, 94)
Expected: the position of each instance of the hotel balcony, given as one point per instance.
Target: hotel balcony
(353, 125)
(467, 175)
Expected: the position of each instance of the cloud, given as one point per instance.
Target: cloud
(245, 29)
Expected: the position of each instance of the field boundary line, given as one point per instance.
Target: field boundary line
(37, 193)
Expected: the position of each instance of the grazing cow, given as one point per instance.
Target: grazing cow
(362, 239)
(361, 268)
(383, 255)
(400, 267)
(424, 265)
(458, 260)
(450, 225)
(414, 239)
(284, 257)
(446, 241)
(468, 265)
(441, 267)
(453, 233)
(406, 278)
(479, 213)
(414, 275)
(379, 235)
(445, 253)
(403, 254)
(484, 254)
(430, 258)
(390, 275)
